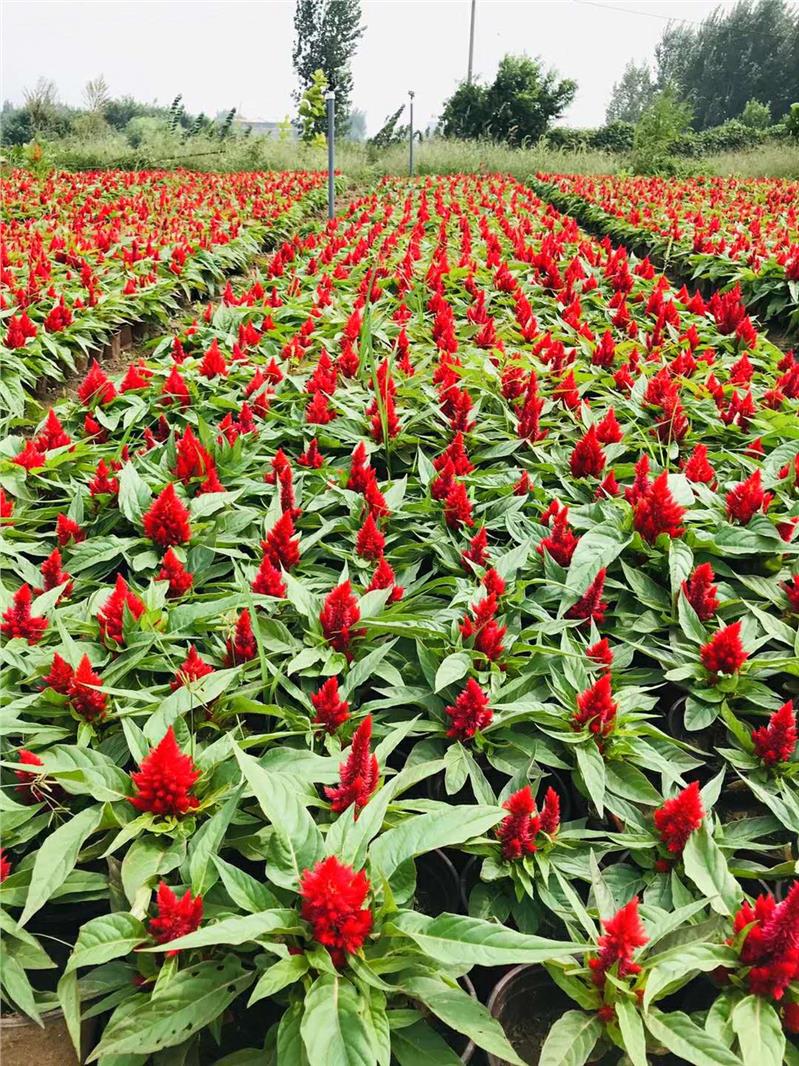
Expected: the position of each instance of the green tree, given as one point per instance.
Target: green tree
(632, 94)
(41, 103)
(516, 109)
(312, 108)
(666, 119)
(96, 95)
(746, 51)
(756, 115)
(327, 33)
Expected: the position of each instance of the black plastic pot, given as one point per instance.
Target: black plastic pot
(526, 1002)
(438, 886)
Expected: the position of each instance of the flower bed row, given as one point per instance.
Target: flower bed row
(725, 231)
(84, 253)
(452, 529)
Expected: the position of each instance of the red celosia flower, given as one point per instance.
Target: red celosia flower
(591, 606)
(54, 575)
(746, 498)
(340, 612)
(791, 590)
(333, 895)
(679, 817)
(311, 457)
(601, 653)
(493, 583)
(85, 692)
(458, 507)
(5, 865)
(656, 511)
(242, 646)
(268, 581)
(724, 653)
(790, 1012)
(384, 578)
(596, 708)
(477, 552)
(175, 389)
(523, 485)
(518, 830)
(165, 779)
(609, 431)
(484, 628)
(279, 546)
(173, 571)
(587, 458)
(68, 531)
(624, 932)
(6, 506)
(111, 615)
(32, 787)
(358, 478)
(550, 813)
(31, 457)
(60, 677)
(192, 668)
(560, 541)
(469, 713)
(192, 460)
(776, 741)
(96, 386)
(136, 377)
(214, 362)
(331, 710)
(319, 412)
(18, 620)
(700, 591)
(698, 469)
(370, 542)
(358, 774)
(167, 521)
(771, 946)
(52, 434)
(103, 483)
(176, 917)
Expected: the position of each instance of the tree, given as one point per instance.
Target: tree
(515, 109)
(312, 108)
(747, 51)
(390, 132)
(756, 115)
(666, 119)
(96, 95)
(41, 102)
(326, 38)
(632, 94)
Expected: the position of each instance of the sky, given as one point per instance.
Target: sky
(237, 53)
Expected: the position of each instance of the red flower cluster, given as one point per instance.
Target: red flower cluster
(18, 620)
(165, 780)
(596, 708)
(746, 499)
(333, 895)
(656, 511)
(469, 713)
(679, 817)
(173, 571)
(518, 831)
(724, 653)
(624, 932)
(83, 687)
(176, 916)
(482, 625)
(111, 615)
(700, 591)
(340, 613)
(776, 742)
(331, 710)
(167, 521)
(192, 668)
(358, 774)
(591, 607)
(242, 646)
(771, 946)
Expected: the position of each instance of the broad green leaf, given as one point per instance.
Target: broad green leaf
(69, 1000)
(240, 929)
(279, 975)
(206, 842)
(459, 940)
(687, 1041)
(463, 1014)
(333, 1028)
(706, 866)
(419, 1043)
(571, 1039)
(632, 1031)
(759, 1030)
(596, 549)
(149, 857)
(246, 891)
(592, 770)
(110, 936)
(677, 966)
(134, 495)
(57, 857)
(452, 669)
(426, 832)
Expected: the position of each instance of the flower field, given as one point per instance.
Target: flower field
(83, 253)
(416, 617)
(724, 230)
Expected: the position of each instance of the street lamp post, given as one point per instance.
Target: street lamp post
(411, 94)
(330, 98)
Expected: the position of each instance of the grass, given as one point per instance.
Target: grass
(360, 162)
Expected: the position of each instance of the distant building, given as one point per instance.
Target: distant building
(265, 128)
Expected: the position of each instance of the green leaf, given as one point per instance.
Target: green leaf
(110, 936)
(458, 940)
(596, 549)
(279, 975)
(69, 1000)
(280, 800)
(57, 857)
(185, 1005)
(245, 891)
(706, 866)
(426, 832)
(205, 844)
(689, 621)
(240, 929)
(418, 1043)
(134, 495)
(333, 1028)
(463, 1014)
(678, 966)
(759, 1030)
(687, 1041)
(571, 1039)
(453, 668)
(632, 1032)
(592, 770)
(147, 858)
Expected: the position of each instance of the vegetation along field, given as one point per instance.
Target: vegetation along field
(400, 642)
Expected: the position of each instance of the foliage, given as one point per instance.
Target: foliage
(312, 110)
(792, 122)
(660, 125)
(516, 109)
(756, 115)
(390, 132)
(632, 94)
(96, 95)
(326, 38)
(757, 39)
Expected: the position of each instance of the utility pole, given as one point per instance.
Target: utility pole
(330, 98)
(471, 45)
(411, 94)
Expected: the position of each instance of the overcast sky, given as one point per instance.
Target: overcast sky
(237, 53)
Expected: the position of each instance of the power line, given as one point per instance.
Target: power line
(633, 11)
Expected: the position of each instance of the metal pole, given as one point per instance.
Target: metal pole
(471, 45)
(330, 97)
(410, 136)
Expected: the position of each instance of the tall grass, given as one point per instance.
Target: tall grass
(362, 163)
